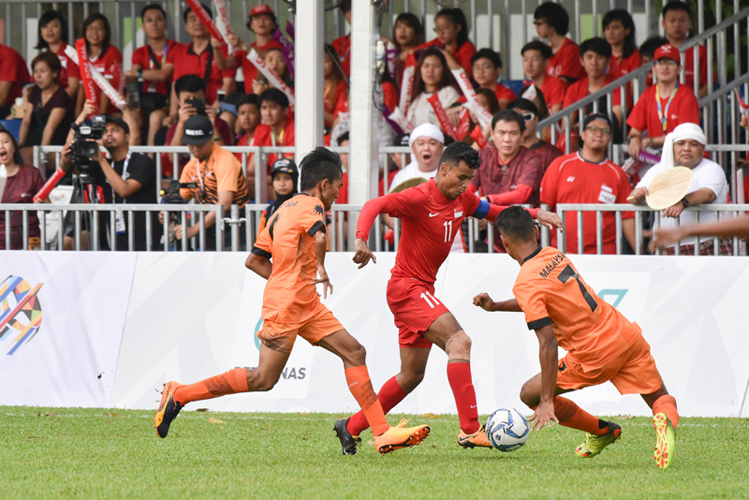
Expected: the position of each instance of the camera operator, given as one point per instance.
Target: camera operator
(124, 178)
(216, 175)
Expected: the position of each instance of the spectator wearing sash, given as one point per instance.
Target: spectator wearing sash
(432, 76)
(488, 100)
(276, 62)
(154, 65)
(262, 22)
(53, 36)
(204, 57)
(452, 35)
(106, 58)
(663, 106)
(49, 110)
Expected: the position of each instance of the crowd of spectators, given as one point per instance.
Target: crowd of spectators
(190, 94)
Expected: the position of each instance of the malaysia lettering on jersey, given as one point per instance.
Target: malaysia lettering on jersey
(553, 263)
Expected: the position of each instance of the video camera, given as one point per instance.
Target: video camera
(84, 147)
(171, 194)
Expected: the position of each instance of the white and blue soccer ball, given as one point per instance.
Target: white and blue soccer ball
(507, 429)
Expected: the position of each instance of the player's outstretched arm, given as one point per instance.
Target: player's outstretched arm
(259, 264)
(549, 219)
(362, 253)
(725, 228)
(549, 357)
(321, 247)
(491, 211)
(485, 302)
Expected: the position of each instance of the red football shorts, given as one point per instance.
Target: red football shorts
(281, 337)
(632, 372)
(415, 308)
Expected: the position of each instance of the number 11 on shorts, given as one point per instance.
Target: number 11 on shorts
(427, 296)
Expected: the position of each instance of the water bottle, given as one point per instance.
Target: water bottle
(133, 95)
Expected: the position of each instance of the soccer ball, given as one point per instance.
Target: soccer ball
(507, 429)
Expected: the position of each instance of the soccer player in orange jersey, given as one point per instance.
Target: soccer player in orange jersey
(295, 240)
(601, 343)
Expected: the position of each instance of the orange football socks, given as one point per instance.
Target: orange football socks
(361, 388)
(230, 382)
(390, 395)
(667, 405)
(571, 415)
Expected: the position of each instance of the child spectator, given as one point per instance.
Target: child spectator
(53, 36)
(676, 23)
(275, 130)
(336, 88)
(535, 63)
(619, 30)
(530, 113)
(553, 23)
(407, 35)
(285, 179)
(23, 183)
(49, 110)
(432, 75)
(487, 67)
(452, 35)
(154, 64)
(106, 58)
(276, 62)
(663, 106)
(13, 76)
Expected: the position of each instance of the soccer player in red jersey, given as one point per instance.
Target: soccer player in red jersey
(431, 215)
(290, 254)
(601, 344)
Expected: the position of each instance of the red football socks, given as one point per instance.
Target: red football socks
(461, 383)
(361, 388)
(230, 382)
(390, 395)
(667, 405)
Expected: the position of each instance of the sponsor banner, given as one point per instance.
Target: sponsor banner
(61, 321)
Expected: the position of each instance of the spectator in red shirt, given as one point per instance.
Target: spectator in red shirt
(13, 76)
(154, 65)
(647, 51)
(529, 111)
(486, 68)
(336, 88)
(53, 36)
(407, 35)
(553, 23)
(342, 45)
(588, 176)
(432, 75)
(619, 30)
(663, 106)
(452, 35)
(676, 23)
(106, 58)
(276, 62)
(535, 63)
(49, 110)
(204, 57)
(262, 23)
(275, 130)
(248, 119)
(488, 100)
(595, 54)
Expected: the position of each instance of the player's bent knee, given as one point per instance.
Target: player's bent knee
(528, 397)
(357, 355)
(459, 344)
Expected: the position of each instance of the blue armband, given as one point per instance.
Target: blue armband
(483, 210)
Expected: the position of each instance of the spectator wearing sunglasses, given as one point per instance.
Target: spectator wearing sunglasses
(546, 152)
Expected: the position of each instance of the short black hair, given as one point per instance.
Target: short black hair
(523, 104)
(649, 46)
(343, 137)
(677, 5)
(47, 18)
(627, 22)
(597, 45)
(460, 151)
(494, 57)
(247, 99)
(208, 10)
(544, 49)
(554, 15)
(189, 83)
(275, 96)
(508, 115)
(458, 18)
(516, 223)
(153, 6)
(318, 165)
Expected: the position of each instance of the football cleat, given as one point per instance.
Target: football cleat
(478, 438)
(168, 409)
(594, 444)
(348, 442)
(400, 437)
(664, 447)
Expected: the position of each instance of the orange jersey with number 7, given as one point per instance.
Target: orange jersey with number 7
(550, 291)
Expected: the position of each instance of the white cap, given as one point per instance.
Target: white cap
(426, 130)
(680, 133)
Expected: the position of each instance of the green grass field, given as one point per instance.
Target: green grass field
(93, 453)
